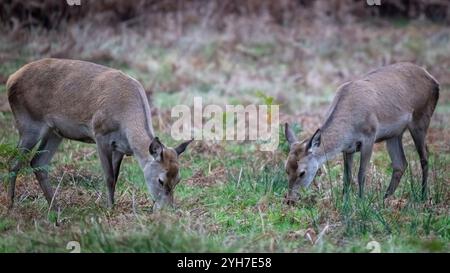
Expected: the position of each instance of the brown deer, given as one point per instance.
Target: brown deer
(52, 99)
(380, 106)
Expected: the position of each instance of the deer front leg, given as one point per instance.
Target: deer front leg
(116, 161)
(28, 140)
(348, 163)
(105, 155)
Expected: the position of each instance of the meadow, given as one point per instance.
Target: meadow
(231, 195)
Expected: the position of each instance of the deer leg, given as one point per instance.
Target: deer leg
(116, 161)
(26, 143)
(41, 160)
(105, 155)
(419, 135)
(366, 153)
(399, 163)
(348, 163)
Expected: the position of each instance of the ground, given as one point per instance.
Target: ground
(231, 195)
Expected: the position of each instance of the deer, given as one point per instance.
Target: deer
(379, 106)
(55, 99)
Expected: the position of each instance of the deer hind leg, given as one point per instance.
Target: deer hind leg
(28, 139)
(418, 133)
(39, 163)
(396, 153)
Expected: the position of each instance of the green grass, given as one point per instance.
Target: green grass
(243, 213)
(231, 197)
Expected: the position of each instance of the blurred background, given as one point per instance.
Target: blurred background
(291, 52)
(294, 53)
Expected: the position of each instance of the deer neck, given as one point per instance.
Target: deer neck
(332, 144)
(139, 142)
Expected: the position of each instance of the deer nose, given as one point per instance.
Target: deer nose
(290, 199)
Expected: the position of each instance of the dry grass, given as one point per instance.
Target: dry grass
(231, 198)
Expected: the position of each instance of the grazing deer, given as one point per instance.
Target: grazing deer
(378, 107)
(52, 99)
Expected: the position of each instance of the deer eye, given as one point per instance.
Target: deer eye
(160, 181)
(302, 173)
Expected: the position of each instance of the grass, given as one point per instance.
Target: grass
(238, 210)
(231, 196)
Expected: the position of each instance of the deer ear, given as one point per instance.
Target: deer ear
(156, 149)
(314, 141)
(290, 136)
(182, 147)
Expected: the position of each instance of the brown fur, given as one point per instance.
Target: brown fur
(379, 106)
(53, 99)
(171, 165)
(297, 151)
(83, 92)
(380, 96)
